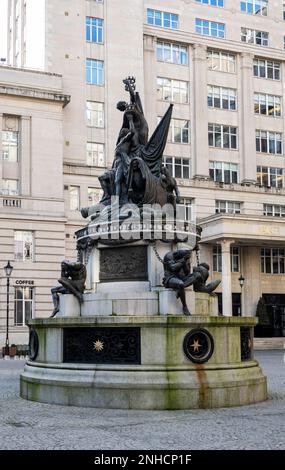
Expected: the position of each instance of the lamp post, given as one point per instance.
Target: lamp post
(241, 283)
(8, 271)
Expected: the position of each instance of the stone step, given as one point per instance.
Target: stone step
(269, 343)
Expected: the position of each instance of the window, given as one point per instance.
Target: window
(178, 167)
(10, 141)
(268, 105)
(255, 7)
(221, 136)
(94, 30)
(185, 209)
(224, 172)
(217, 259)
(228, 207)
(221, 61)
(273, 210)
(269, 176)
(172, 90)
(173, 53)
(162, 18)
(95, 154)
(252, 36)
(222, 98)
(23, 246)
(95, 114)
(272, 260)
(213, 3)
(179, 131)
(94, 72)
(269, 142)
(10, 187)
(94, 196)
(74, 198)
(264, 68)
(23, 305)
(209, 28)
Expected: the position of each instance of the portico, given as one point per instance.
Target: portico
(256, 237)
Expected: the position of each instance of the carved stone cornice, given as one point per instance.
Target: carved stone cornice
(34, 93)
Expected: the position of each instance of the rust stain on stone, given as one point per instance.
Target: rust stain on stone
(204, 398)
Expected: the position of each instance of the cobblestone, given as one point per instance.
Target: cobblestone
(28, 425)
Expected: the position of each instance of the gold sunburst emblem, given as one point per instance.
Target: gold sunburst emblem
(98, 345)
(196, 345)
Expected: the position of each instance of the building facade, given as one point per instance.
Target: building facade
(222, 64)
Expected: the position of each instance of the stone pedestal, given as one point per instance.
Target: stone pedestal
(144, 362)
(129, 346)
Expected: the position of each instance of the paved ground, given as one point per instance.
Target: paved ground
(27, 425)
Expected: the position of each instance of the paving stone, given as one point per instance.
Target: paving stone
(28, 425)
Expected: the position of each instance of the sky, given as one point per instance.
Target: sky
(3, 27)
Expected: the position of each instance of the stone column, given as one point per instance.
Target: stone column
(227, 278)
(199, 116)
(252, 289)
(25, 155)
(247, 121)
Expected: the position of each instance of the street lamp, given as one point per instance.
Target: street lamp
(8, 271)
(241, 281)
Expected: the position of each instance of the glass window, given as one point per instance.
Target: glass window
(95, 114)
(222, 98)
(235, 259)
(273, 210)
(217, 259)
(96, 154)
(23, 305)
(252, 36)
(268, 105)
(10, 187)
(222, 172)
(254, 7)
(23, 246)
(172, 53)
(222, 136)
(269, 142)
(267, 69)
(209, 28)
(172, 90)
(185, 209)
(228, 207)
(273, 260)
(162, 19)
(94, 72)
(213, 3)
(74, 198)
(179, 131)
(221, 61)
(94, 196)
(94, 30)
(10, 142)
(270, 176)
(178, 167)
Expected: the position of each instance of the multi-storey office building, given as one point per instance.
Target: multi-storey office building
(221, 62)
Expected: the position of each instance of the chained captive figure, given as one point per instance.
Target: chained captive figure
(72, 280)
(177, 274)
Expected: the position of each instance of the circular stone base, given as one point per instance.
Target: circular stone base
(144, 388)
(144, 362)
